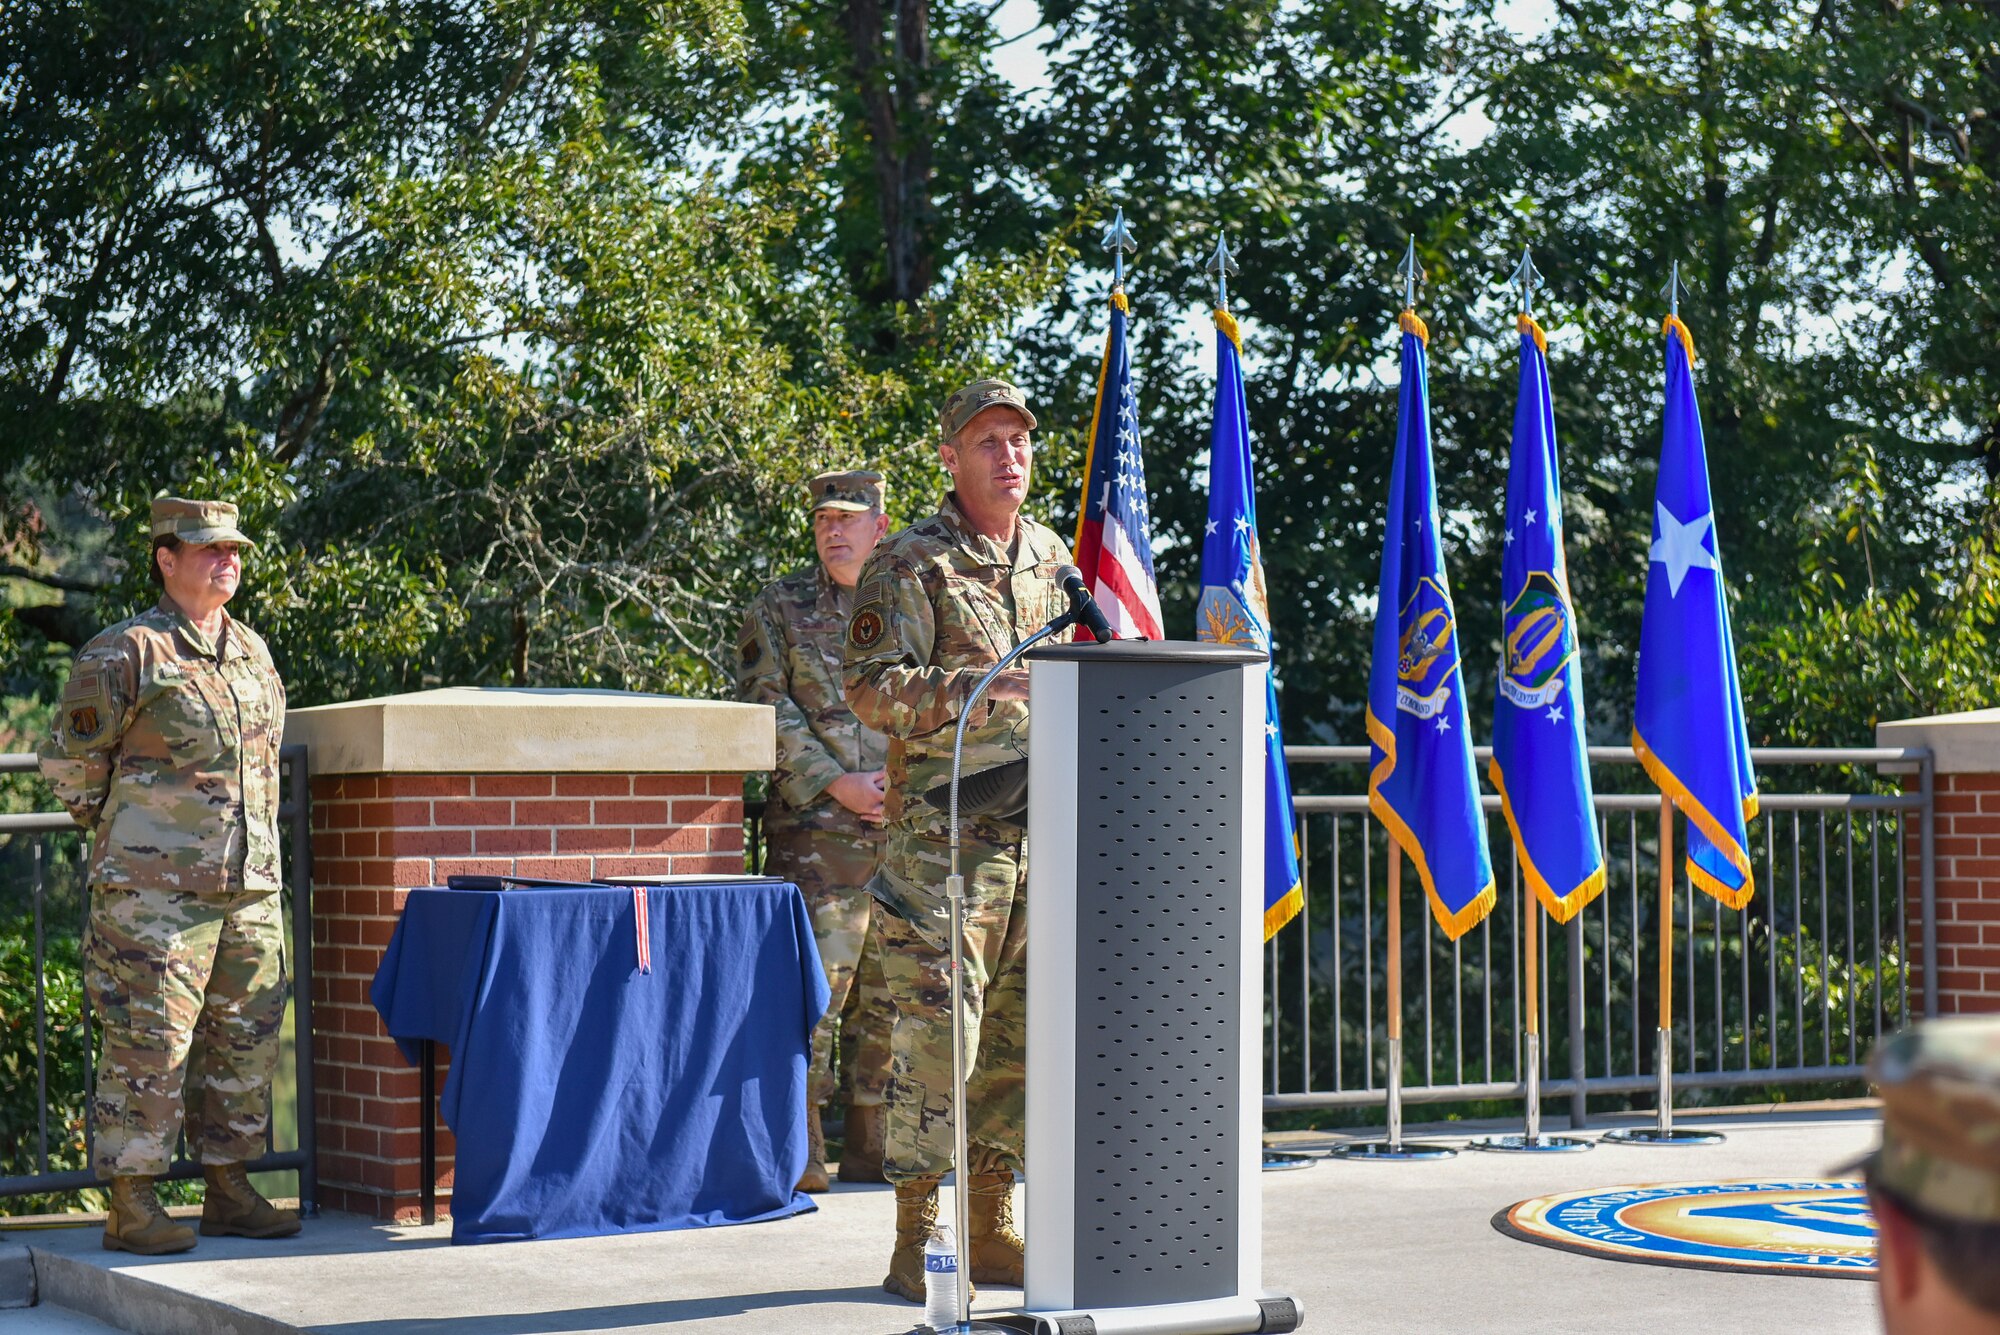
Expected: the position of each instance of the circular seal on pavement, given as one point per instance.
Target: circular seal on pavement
(1788, 1227)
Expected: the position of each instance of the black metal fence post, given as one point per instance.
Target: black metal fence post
(299, 781)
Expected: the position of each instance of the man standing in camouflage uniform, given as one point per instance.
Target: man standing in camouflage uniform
(823, 821)
(165, 748)
(940, 603)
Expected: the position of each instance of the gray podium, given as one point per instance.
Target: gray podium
(1145, 999)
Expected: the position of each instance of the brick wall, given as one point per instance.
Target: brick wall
(375, 836)
(1967, 894)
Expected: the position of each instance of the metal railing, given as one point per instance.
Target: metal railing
(56, 879)
(1794, 989)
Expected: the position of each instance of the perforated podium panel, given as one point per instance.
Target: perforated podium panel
(1145, 867)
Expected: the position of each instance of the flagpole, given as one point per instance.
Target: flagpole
(1531, 1141)
(1526, 277)
(1395, 981)
(1665, 1053)
(1394, 1147)
(1532, 1042)
(1664, 1132)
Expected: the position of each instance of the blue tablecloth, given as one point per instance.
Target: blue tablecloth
(590, 1098)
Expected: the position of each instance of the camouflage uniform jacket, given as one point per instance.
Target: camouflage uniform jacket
(937, 606)
(165, 748)
(788, 657)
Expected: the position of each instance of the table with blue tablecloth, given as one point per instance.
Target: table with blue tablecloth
(606, 1080)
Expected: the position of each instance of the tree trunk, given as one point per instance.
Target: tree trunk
(898, 120)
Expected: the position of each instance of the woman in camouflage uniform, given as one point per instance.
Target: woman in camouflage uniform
(165, 748)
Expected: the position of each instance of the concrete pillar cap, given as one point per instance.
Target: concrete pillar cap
(1967, 743)
(535, 730)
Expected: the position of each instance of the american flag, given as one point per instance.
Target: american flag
(1114, 536)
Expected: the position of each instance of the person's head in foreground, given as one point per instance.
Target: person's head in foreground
(1934, 1185)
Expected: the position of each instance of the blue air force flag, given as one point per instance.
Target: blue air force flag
(1421, 783)
(1688, 727)
(1539, 763)
(1234, 609)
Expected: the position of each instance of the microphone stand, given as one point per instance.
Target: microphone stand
(954, 889)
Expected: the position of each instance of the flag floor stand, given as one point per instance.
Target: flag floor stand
(1664, 1132)
(1531, 1140)
(1394, 1149)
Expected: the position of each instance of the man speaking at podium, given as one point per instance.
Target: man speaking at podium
(938, 605)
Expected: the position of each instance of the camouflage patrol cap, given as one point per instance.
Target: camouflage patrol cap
(854, 490)
(197, 522)
(1940, 1087)
(976, 398)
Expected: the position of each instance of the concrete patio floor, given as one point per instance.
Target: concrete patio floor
(1367, 1247)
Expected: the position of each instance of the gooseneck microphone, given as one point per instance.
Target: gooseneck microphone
(1082, 605)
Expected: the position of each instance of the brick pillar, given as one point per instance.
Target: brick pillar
(1965, 752)
(378, 831)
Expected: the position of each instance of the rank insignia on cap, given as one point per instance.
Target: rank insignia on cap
(866, 631)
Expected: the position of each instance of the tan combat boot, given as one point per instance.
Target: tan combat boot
(136, 1223)
(233, 1207)
(996, 1247)
(861, 1157)
(814, 1179)
(916, 1216)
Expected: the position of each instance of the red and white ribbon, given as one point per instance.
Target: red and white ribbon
(644, 923)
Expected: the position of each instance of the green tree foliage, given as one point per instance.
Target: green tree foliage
(1826, 175)
(1823, 173)
(456, 300)
(512, 321)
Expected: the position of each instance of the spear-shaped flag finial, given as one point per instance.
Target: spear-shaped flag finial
(1412, 275)
(1221, 265)
(1527, 278)
(1674, 289)
(1118, 240)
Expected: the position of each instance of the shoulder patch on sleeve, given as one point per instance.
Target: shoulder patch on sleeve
(86, 703)
(871, 611)
(865, 630)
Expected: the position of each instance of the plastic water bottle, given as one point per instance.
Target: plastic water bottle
(941, 1280)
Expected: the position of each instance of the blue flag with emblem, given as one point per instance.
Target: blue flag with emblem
(1234, 608)
(1421, 782)
(1540, 764)
(1688, 727)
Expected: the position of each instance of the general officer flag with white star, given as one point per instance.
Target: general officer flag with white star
(1114, 532)
(1688, 728)
(1234, 608)
(1421, 782)
(1539, 763)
